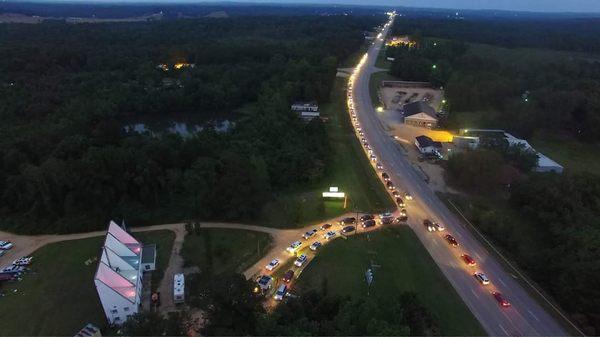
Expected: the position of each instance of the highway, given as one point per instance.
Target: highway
(525, 316)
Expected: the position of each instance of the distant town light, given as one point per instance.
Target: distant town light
(434, 66)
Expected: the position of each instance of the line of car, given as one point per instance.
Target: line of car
(430, 225)
(433, 226)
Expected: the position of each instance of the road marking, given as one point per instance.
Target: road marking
(532, 315)
(501, 281)
(474, 293)
(501, 327)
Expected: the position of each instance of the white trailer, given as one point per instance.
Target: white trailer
(178, 288)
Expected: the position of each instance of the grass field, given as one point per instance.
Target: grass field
(573, 155)
(58, 296)
(404, 266)
(349, 169)
(224, 250)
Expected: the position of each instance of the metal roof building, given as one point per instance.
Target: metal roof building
(118, 278)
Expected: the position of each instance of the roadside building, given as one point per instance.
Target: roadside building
(544, 164)
(89, 330)
(419, 114)
(426, 145)
(306, 110)
(118, 278)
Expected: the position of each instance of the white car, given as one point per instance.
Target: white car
(481, 278)
(281, 291)
(6, 245)
(329, 235)
(272, 265)
(385, 215)
(316, 245)
(300, 260)
(439, 226)
(24, 261)
(309, 234)
(408, 196)
(294, 247)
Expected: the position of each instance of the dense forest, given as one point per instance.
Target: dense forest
(580, 34)
(522, 96)
(67, 163)
(533, 216)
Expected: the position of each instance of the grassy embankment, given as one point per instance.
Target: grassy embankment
(224, 250)
(404, 264)
(58, 296)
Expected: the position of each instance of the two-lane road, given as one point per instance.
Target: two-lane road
(525, 316)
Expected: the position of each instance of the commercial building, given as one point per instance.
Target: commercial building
(118, 278)
(545, 164)
(306, 110)
(419, 114)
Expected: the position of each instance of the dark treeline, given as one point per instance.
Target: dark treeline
(570, 34)
(522, 96)
(173, 10)
(67, 164)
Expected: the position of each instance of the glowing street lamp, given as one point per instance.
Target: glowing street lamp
(379, 109)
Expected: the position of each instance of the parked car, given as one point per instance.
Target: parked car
(272, 265)
(385, 215)
(348, 221)
(326, 226)
(265, 282)
(300, 260)
(294, 247)
(385, 176)
(316, 245)
(500, 299)
(24, 261)
(12, 269)
(329, 235)
(451, 240)
(280, 294)
(400, 202)
(309, 234)
(481, 278)
(348, 229)
(469, 260)
(288, 276)
(368, 223)
(6, 245)
(390, 185)
(366, 217)
(387, 220)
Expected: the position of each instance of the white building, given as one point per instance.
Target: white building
(119, 276)
(426, 145)
(544, 164)
(306, 110)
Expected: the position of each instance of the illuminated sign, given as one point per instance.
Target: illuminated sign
(334, 193)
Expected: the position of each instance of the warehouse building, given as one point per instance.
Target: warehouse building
(419, 114)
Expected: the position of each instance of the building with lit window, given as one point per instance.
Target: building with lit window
(119, 276)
